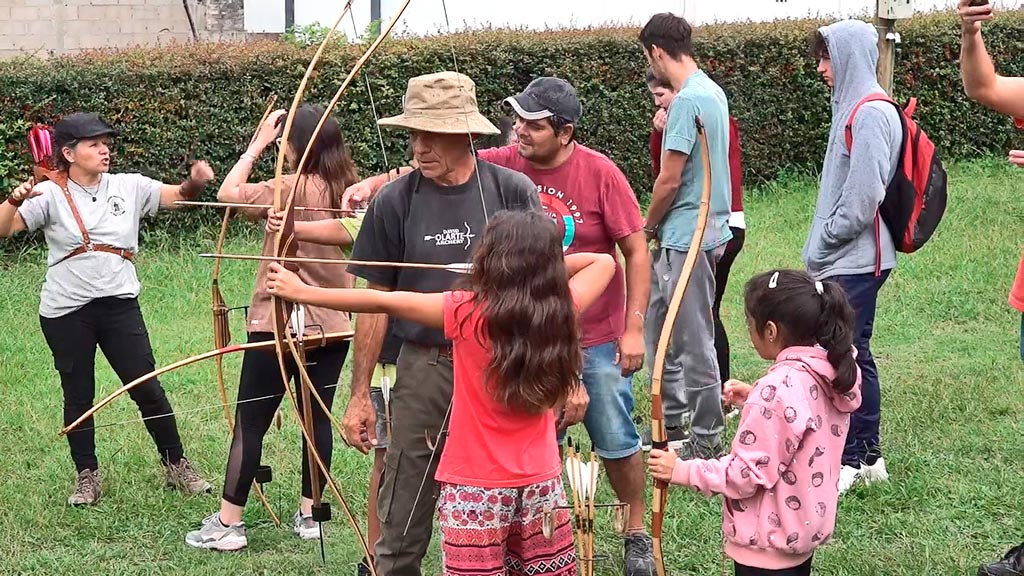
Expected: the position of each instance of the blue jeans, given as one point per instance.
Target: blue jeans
(609, 417)
(862, 292)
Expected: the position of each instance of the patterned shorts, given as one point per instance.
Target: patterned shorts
(498, 531)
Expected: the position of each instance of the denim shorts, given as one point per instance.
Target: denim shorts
(609, 417)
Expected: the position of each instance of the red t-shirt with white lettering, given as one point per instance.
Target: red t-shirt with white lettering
(489, 445)
(594, 205)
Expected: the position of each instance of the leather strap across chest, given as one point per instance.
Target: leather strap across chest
(87, 244)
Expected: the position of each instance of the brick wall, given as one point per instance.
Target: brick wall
(63, 26)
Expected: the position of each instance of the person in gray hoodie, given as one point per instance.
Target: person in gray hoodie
(848, 243)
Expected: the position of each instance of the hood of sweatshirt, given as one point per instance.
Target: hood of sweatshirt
(853, 49)
(816, 358)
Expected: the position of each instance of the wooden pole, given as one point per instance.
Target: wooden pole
(886, 49)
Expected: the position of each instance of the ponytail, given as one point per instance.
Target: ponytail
(835, 334)
(808, 313)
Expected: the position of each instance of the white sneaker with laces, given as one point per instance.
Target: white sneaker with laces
(875, 472)
(304, 527)
(849, 476)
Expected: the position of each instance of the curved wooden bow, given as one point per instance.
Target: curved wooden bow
(659, 436)
(222, 328)
(319, 340)
(285, 248)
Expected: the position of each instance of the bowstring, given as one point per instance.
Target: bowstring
(373, 103)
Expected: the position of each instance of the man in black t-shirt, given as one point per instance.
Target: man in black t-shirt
(435, 214)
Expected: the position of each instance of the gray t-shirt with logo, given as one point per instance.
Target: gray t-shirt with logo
(415, 220)
(112, 217)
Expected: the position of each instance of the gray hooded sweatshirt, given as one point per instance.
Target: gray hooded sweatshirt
(842, 237)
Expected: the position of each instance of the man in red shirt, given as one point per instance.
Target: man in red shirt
(589, 197)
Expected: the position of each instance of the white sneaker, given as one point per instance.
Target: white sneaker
(213, 535)
(875, 472)
(849, 476)
(304, 527)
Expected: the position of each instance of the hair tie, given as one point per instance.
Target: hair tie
(819, 287)
(774, 280)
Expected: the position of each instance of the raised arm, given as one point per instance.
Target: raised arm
(426, 309)
(230, 188)
(190, 189)
(981, 82)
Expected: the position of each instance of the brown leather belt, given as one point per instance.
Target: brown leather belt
(85, 249)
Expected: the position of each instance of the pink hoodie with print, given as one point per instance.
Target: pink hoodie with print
(780, 481)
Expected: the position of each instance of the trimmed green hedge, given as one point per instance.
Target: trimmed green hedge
(202, 100)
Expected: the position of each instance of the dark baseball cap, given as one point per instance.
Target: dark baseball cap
(78, 126)
(545, 97)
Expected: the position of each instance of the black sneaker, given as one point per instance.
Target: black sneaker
(694, 448)
(362, 569)
(639, 555)
(1012, 564)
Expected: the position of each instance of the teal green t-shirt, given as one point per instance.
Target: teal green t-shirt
(700, 96)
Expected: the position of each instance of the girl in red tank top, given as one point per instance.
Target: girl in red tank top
(517, 357)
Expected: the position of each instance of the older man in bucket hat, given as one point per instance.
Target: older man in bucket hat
(590, 198)
(435, 213)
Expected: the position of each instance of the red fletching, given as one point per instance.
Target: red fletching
(40, 143)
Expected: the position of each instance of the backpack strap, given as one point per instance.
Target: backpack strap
(876, 97)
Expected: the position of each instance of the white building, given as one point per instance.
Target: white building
(424, 17)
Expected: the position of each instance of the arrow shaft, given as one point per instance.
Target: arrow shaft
(459, 267)
(265, 206)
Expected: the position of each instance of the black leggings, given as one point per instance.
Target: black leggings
(801, 570)
(721, 278)
(117, 327)
(261, 379)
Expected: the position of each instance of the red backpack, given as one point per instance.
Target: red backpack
(915, 199)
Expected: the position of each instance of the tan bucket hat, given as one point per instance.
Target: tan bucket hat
(442, 103)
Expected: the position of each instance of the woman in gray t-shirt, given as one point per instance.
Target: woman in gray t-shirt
(90, 220)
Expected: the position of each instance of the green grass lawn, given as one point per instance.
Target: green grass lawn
(945, 341)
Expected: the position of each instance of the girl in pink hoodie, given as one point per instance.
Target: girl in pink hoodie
(780, 479)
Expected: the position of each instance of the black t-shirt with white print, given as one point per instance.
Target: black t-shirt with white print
(415, 220)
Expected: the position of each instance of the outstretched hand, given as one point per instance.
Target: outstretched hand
(25, 191)
(357, 195)
(201, 171)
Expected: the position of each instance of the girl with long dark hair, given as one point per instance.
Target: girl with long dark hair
(328, 171)
(90, 220)
(780, 480)
(517, 357)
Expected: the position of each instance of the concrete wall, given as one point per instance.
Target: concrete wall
(42, 27)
